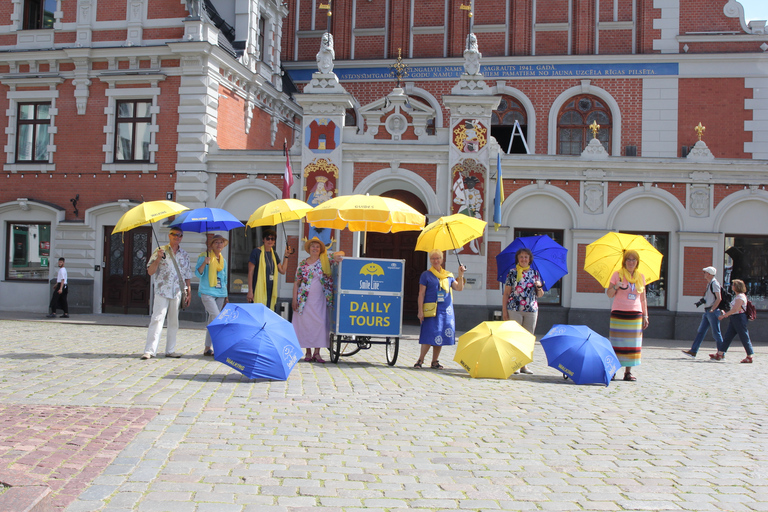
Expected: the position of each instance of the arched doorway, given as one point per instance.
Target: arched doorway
(400, 246)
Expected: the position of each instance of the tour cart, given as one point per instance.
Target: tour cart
(367, 306)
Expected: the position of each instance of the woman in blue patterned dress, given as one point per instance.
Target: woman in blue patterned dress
(438, 326)
(522, 288)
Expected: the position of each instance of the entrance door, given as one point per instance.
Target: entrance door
(125, 280)
(400, 246)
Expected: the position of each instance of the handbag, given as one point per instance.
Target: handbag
(182, 286)
(430, 309)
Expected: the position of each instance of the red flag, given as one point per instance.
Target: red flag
(288, 176)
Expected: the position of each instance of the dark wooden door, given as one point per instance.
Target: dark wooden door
(400, 246)
(126, 284)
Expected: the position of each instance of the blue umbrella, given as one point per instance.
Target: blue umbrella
(255, 341)
(549, 258)
(581, 354)
(201, 220)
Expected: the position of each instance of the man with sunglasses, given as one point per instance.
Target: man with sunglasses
(263, 266)
(169, 266)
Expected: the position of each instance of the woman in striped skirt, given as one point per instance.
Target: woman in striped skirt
(629, 312)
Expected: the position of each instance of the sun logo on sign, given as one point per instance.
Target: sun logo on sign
(372, 269)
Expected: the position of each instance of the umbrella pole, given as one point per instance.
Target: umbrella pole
(455, 251)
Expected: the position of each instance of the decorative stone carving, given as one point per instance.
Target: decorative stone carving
(594, 151)
(700, 153)
(594, 174)
(194, 8)
(326, 54)
(472, 56)
(593, 198)
(273, 122)
(700, 176)
(396, 125)
(699, 197)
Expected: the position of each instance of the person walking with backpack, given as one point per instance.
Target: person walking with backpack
(738, 324)
(710, 318)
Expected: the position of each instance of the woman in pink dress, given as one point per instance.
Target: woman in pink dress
(312, 298)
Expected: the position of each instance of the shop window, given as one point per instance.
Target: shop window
(746, 258)
(39, 14)
(503, 123)
(573, 132)
(28, 252)
(132, 134)
(554, 295)
(32, 140)
(656, 292)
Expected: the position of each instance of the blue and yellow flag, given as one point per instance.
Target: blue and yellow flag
(499, 199)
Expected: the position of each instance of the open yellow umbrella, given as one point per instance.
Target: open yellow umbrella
(147, 212)
(366, 213)
(604, 255)
(450, 232)
(495, 350)
(278, 211)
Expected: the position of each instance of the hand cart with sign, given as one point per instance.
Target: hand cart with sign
(367, 307)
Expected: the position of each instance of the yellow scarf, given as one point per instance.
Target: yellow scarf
(215, 266)
(443, 276)
(261, 280)
(521, 271)
(637, 280)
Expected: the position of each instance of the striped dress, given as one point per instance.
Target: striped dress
(626, 326)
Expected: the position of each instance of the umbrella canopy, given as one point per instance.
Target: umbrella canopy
(278, 211)
(604, 256)
(366, 213)
(581, 354)
(450, 232)
(147, 212)
(202, 220)
(255, 341)
(550, 258)
(495, 350)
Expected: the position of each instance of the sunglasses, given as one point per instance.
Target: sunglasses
(177, 235)
(270, 238)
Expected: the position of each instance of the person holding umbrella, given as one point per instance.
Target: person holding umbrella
(435, 302)
(263, 266)
(521, 289)
(172, 273)
(312, 297)
(211, 269)
(629, 312)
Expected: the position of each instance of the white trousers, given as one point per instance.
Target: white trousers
(525, 318)
(213, 307)
(161, 307)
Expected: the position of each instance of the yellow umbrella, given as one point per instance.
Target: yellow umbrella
(147, 212)
(604, 255)
(495, 350)
(278, 211)
(450, 232)
(366, 213)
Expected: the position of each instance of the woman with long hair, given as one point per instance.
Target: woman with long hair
(737, 324)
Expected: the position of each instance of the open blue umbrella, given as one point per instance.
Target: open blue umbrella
(202, 220)
(549, 258)
(581, 354)
(255, 341)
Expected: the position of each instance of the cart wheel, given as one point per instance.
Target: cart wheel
(393, 347)
(333, 348)
(565, 376)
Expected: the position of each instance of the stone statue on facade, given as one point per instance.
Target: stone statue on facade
(195, 8)
(326, 54)
(472, 56)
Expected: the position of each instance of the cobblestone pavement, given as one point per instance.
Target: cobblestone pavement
(690, 434)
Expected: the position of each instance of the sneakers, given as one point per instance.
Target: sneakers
(64, 316)
(50, 315)
(689, 353)
(174, 355)
(146, 356)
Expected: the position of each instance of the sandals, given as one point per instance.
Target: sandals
(436, 365)
(717, 357)
(419, 363)
(629, 377)
(318, 359)
(747, 359)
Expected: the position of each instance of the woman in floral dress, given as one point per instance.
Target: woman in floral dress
(312, 298)
(522, 288)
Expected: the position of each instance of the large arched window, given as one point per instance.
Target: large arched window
(503, 122)
(573, 132)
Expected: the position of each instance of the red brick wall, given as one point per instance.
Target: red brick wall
(492, 43)
(494, 248)
(429, 13)
(585, 283)
(367, 47)
(165, 9)
(6, 9)
(615, 42)
(723, 117)
(111, 11)
(365, 169)
(552, 43)
(64, 37)
(697, 16)
(109, 35)
(551, 11)
(695, 259)
(163, 33)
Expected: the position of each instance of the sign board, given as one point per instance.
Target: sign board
(368, 297)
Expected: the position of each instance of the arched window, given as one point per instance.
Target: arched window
(503, 121)
(350, 117)
(573, 132)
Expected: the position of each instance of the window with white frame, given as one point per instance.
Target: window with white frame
(132, 134)
(31, 127)
(39, 14)
(32, 140)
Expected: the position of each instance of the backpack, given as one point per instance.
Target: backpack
(751, 310)
(726, 298)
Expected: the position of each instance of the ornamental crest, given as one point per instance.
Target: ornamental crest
(470, 136)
